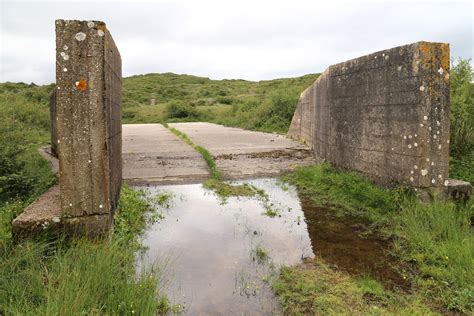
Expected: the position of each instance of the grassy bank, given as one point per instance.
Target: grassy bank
(433, 238)
(83, 276)
(314, 288)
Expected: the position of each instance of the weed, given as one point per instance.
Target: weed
(260, 255)
(270, 212)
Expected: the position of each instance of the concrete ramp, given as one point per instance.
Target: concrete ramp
(153, 155)
(241, 154)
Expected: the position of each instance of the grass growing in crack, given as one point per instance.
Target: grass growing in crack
(84, 276)
(434, 238)
(270, 212)
(260, 255)
(215, 183)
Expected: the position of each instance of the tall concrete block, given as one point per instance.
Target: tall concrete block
(385, 114)
(88, 118)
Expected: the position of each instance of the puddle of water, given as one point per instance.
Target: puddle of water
(337, 241)
(211, 248)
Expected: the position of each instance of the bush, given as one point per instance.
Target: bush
(178, 109)
(462, 108)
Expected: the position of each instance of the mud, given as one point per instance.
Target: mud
(341, 242)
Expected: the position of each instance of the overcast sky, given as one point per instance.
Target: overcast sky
(251, 40)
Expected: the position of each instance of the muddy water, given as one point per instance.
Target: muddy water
(210, 247)
(341, 242)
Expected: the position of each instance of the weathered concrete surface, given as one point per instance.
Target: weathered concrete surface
(44, 215)
(151, 154)
(54, 128)
(154, 155)
(458, 190)
(85, 133)
(243, 154)
(88, 101)
(385, 114)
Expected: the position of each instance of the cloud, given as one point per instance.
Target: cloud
(231, 39)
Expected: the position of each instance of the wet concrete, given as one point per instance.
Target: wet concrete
(243, 154)
(210, 248)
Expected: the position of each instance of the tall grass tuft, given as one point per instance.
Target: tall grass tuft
(438, 238)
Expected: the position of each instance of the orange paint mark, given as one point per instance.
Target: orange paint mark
(81, 85)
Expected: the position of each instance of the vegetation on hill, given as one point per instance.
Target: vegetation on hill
(462, 121)
(264, 105)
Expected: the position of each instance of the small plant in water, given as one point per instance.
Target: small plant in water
(260, 255)
(270, 212)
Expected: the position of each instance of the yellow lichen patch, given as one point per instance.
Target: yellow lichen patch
(445, 62)
(81, 85)
(102, 27)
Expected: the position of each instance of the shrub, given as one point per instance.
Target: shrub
(178, 109)
(462, 108)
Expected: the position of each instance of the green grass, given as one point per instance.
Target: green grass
(317, 289)
(260, 255)
(24, 127)
(84, 276)
(345, 192)
(434, 238)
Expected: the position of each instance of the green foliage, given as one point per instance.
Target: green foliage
(211, 163)
(263, 105)
(178, 109)
(435, 238)
(317, 290)
(260, 255)
(24, 123)
(136, 211)
(462, 121)
(24, 126)
(84, 276)
(462, 108)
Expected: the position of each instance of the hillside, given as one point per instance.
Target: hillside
(263, 105)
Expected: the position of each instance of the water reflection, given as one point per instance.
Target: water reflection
(213, 265)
